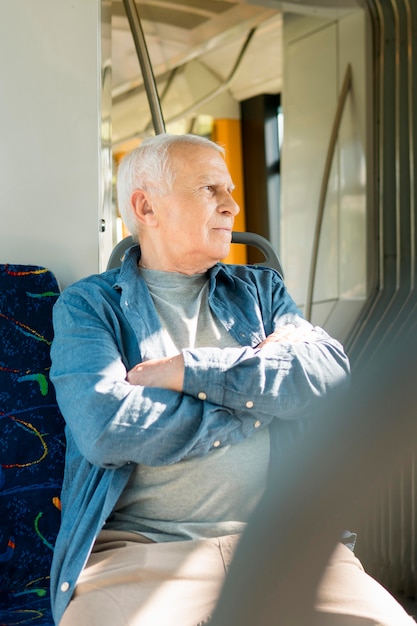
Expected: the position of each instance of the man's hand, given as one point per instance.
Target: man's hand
(167, 373)
(290, 334)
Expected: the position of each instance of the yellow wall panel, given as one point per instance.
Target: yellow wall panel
(227, 133)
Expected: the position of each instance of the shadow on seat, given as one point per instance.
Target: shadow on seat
(249, 239)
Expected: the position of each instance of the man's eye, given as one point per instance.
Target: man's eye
(210, 190)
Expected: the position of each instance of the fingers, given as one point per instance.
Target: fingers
(290, 334)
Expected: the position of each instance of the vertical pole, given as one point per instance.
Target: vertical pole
(146, 66)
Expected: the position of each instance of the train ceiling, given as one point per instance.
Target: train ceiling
(207, 56)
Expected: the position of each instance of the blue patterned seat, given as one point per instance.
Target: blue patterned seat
(32, 445)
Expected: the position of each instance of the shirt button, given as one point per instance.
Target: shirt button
(257, 424)
(65, 586)
(216, 444)
(249, 404)
(202, 396)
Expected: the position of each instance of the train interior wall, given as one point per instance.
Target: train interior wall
(55, 168)
(317, 52)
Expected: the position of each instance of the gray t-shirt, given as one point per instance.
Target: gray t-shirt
(201, 497)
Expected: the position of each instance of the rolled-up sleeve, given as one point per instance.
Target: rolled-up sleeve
(283, 379)
(280, 379)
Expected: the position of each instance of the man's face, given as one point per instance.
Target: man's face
(195, 220)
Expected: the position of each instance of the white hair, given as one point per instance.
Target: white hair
(149, 167)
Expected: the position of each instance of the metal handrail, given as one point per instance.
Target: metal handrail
(146, 66)
(260, 243)
(223, 86)
(208, 97)
(324, 186)
(249, 239)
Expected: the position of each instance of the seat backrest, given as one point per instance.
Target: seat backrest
(32, 444)
(262, 244)
(249, 239)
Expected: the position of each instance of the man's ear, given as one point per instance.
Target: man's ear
(142, 207)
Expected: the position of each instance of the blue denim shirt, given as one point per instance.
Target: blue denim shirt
(104, 325)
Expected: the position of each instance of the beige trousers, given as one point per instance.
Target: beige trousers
(129, 581)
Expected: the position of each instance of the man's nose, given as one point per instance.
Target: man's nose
(229, 204)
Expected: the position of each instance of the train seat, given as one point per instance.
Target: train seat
(249, 239)
(32, 445)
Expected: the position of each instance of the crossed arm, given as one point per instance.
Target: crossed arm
(163, 410)
(169, 372)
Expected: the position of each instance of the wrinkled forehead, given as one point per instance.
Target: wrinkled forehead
(185, 151)
(197, 162)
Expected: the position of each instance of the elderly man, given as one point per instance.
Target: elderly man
(175, 374)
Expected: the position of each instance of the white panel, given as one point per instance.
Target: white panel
(316, 55)
(50, 152)
(339, 320)
(309, 102)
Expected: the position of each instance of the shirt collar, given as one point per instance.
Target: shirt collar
(129, 268)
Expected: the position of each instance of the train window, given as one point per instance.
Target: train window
(280, 125)
(261, 164)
